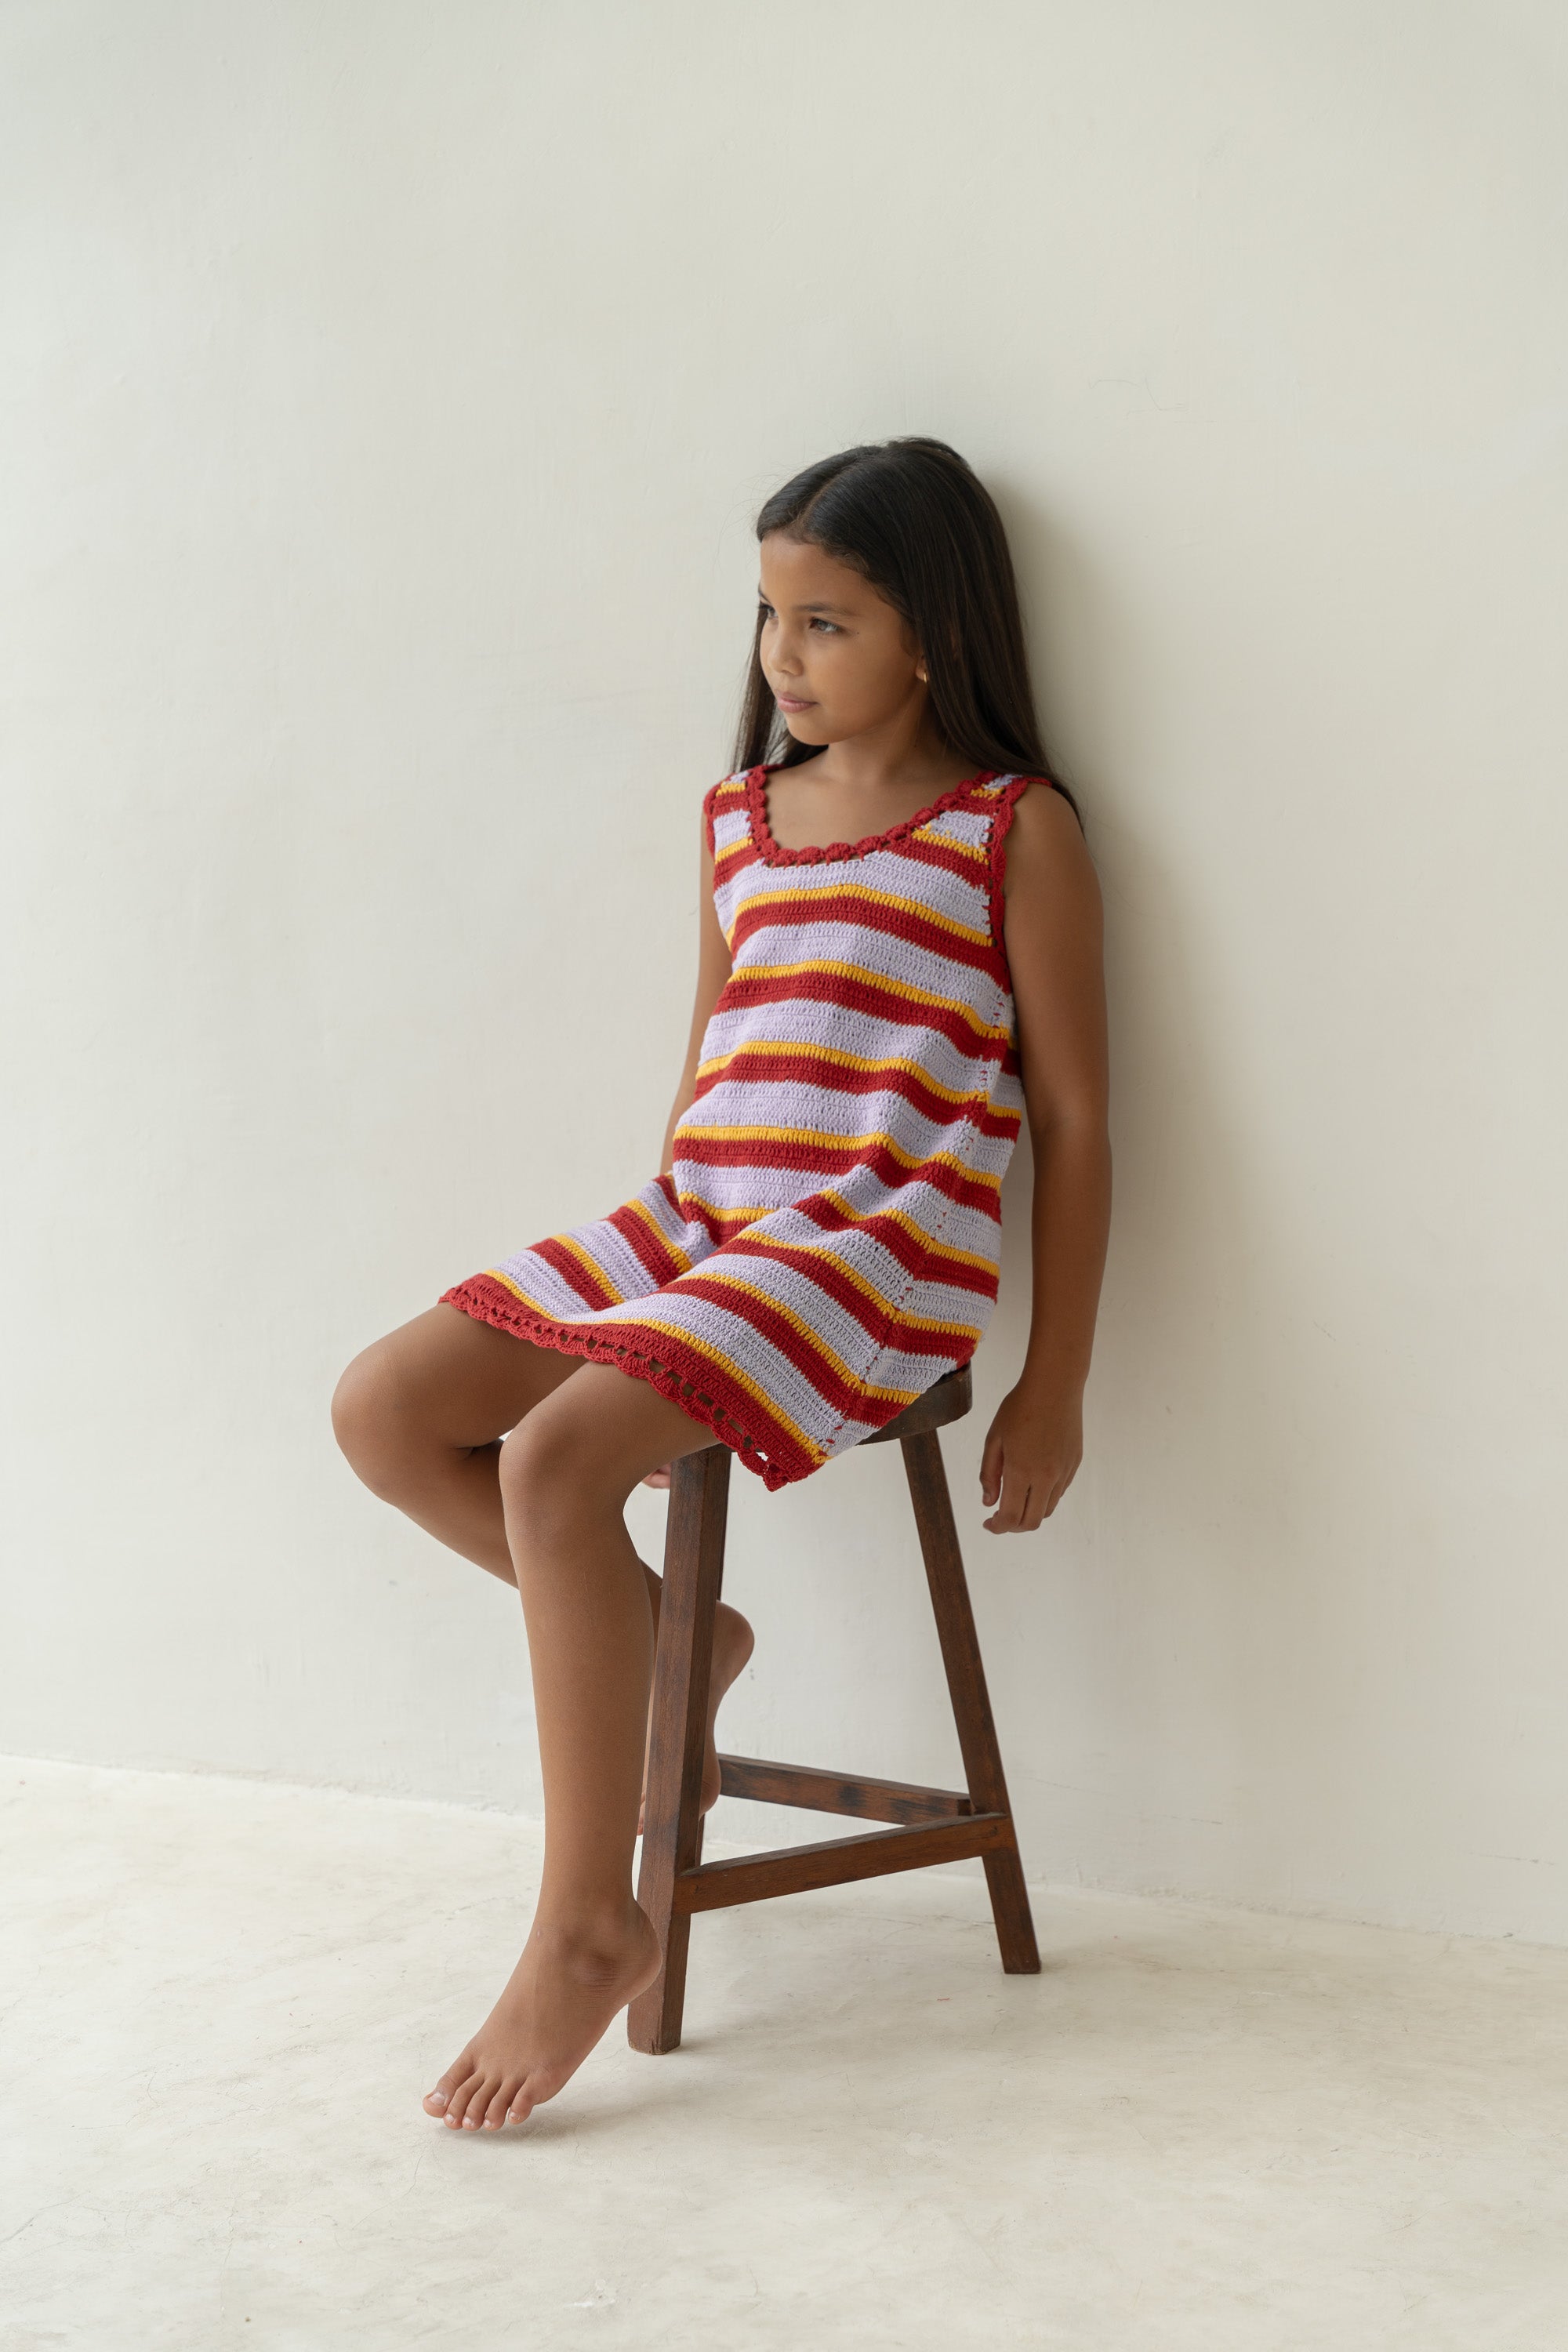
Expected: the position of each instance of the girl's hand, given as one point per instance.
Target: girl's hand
(1032, 1449)
(657, 1477)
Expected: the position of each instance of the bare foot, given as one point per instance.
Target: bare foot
(562, 1995)
(733, 1641)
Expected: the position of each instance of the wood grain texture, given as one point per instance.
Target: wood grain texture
(672, 1832)
(753, 1877)
(822, 1791)
(971, 1701)
(934, 1825)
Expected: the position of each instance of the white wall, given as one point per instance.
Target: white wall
(389, 390)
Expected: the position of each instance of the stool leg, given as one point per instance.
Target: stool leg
(672, 1833)
(966, 1687)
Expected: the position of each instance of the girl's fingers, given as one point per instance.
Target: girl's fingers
(1023, 1505)
(991, 1472)
(1009, 1516)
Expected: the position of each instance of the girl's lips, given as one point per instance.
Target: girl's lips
(790, 702)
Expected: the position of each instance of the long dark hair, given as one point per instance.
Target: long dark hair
(918, 523)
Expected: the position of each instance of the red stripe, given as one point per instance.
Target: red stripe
(915, 1257)
(835, 1159)
(843, 1396)
(930, 849)
(825, 1270)
(861, 913)
(488, 1301)
(649, 1248)
(817, 987)
(698, 1213)
(731, 859)
(572, 1270)
(911, 1254)
(747, 1064)
(829, 1277)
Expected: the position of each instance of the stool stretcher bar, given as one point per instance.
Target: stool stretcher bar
(837, 1792)
(753, 1877)
(932, 1825)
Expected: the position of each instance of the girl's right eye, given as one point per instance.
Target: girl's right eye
(830, 628)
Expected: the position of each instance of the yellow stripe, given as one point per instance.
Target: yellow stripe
(728, 1281)
(873, 897)
(809, 1138)
(952, 841)
(715, 1355)
(917, 1232)
(849, 1062)
(641, 1209)
(689, 1338)
(868, 1289)
(727, 1216)
(741, 1218)
(518, 1291)
(617, 1297)
(903, 987)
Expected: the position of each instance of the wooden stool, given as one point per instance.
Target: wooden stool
(935, 1824)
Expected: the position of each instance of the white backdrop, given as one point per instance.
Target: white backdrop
(389, 390)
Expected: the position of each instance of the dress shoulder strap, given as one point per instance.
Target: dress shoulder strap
(729, 788)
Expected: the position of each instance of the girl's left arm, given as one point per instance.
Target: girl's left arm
(713, 969)
(1052, 933)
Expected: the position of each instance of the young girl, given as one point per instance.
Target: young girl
(899, 956)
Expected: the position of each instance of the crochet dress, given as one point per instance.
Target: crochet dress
(826, 1246)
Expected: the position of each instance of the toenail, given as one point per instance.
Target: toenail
(438, 2098)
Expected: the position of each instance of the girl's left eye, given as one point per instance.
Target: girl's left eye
(818, 622)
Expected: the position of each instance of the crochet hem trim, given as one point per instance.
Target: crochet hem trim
(835, 852)
(1000, 828)
(478, 1298)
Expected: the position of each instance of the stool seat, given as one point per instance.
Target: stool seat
(930, 1825)
(948, 1399)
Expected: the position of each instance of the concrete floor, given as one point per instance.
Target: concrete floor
(1196, 2128)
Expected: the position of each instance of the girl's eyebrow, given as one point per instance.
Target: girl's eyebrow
(809, 608)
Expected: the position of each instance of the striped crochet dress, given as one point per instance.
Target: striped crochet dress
(826, 1246)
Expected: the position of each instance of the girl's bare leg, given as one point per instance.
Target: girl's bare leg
(565, 1474)
(420, 1416)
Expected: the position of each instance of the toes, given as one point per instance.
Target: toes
(437, 2101)
(457, 2105)
(521, 2107)
(479, 2097)
(496, 2113)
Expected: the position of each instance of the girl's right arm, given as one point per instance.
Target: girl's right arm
(713, 969)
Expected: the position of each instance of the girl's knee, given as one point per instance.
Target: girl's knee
(365, 1423)
(550, 1468)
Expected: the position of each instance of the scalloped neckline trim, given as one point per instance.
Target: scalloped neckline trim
(836, 852)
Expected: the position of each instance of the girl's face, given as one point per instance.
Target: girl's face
(839, 659)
